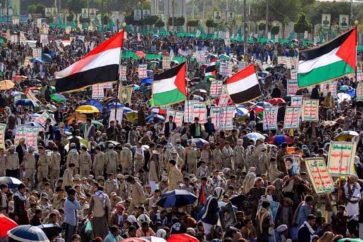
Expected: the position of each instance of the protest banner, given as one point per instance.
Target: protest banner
(124, 94)
(226, 115)
(230, 69)
(98, 91)
(37, 53)
(116, 115)
(341, 157)
(188, 110)
(320, 178)
(142, 71)
(223, 69)
(329, 87)
(292, 87)
(296, 101)
(270, 118)
(177, 117)
(30, 134)
(214, 114)
(123, 73)
(14, 38)
(200, 56)
(223, 98)
(166, 62)
(200, 111)
(2, 135)
(292, 117)
(310, 111)
(44, 39)
(293, 74)
(359, 74)
(27, 61)
(359, 91)
(108, 85)
(292, 164)
(216, 88)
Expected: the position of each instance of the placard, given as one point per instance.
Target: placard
(214, 114)
(142, 71)
(188, 110)
(2, 135)
(310, 111)
(216, 88)
(223, 69)
(123, 73)
(200, 57)
(329, 87)
(98, 91)
(37, 53)
(292, 87)
(166, 62)
(292, 118)
(341, 158)
(44, 39)
(359, 91)
(359, 74)
(200, 111)
(116, 115)
(319, 176)
(177, 117)
(125, 94)
(30, 134)
(224, 98)
(226, 115)
(296, 101)
(270, 118)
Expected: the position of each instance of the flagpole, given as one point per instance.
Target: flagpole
(119, 78)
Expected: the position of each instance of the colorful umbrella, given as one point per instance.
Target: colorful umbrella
(25, 102)
(94, 103)
(343, 96)
(176, 198)
(19, 78)
(12, 182)
(276, 101)
(255, 136)
(87, 109)
(182, 238)
(258, 109)
(241, 111)
(28, 233)
(263, 104)
(134, 240)
(6, 85)
(6, 225)
(59, 98)
(344, 88)
(279, 139)
(199, 142)
(50, 230)
(345, 135)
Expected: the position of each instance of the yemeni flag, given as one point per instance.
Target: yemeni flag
(99, 65)
(211, 70)
(243, 86)
(332, 60)
(169, 87)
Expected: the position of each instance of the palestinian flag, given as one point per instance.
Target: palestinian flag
(99, 65)
(329, 61)
(211, 70)
(243, 86)
(169, 87)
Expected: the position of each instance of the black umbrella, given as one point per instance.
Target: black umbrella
(51, 230)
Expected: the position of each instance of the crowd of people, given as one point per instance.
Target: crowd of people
(108, 188)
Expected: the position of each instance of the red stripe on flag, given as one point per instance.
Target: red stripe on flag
(180, 81)
(248, 71)
(348, 50)
(115, 41)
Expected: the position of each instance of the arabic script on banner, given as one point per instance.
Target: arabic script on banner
(310, 110)
(292, 118)
(270, 118)
(319, 176)
(341, 158)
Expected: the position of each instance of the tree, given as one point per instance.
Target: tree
(150, 20)
(332, 8)
(275, 30)
(76, 6)
(36, 8)
(301, 25)
(178, 21)
(193, 23)
(210, 23)
(159, 23)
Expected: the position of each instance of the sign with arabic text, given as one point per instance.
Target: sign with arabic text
(341, 157)
(319, 176)
(310, 110)
(292, 117)
(270, 118)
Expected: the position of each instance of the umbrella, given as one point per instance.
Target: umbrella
(127, 110)
(50, 230)
(114, 105)
(176, 198)
(12, 182)
(154, 116)
(350, 240)
(255, 136)
(263, 104)
(343, 96)
(344, 88)
(28, 233)
(345, 135)
(136, 87)
(87, 109)
(146, 81)
(276, 101)
(182, 238)
(6, 84)
(199, 142)
(158, 110)
(241, 111)
(97, 123)
(279, 139)
(25, 102)
(59, 98)
(112, 142)
(33, 60)
(18, 78)
(258, 109)
(6, 225)
(94, 103)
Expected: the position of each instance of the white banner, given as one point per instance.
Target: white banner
(200, 111)
(142, 71)
(116, 115)
(270, 118)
